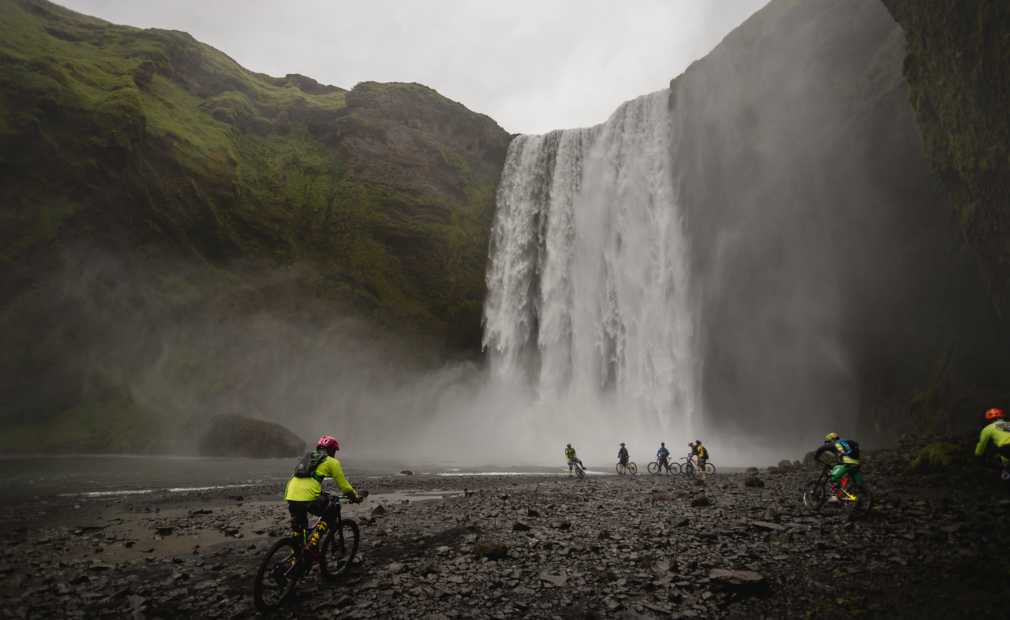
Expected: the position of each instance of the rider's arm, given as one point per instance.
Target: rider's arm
(983, 441)
(335, 471)
(822, 450)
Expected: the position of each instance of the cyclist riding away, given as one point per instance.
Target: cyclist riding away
(997, 432)
(847, 452)
(663, 457)
(622, 456)
(304, 489)
(572, 459)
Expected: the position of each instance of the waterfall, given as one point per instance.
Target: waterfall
(588, 290)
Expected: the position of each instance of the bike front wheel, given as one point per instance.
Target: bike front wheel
(579, 473)
(277, 575)
(622, 469)
(339, 549)
(653, 468)
(709, 468)
(632, 469)
(815, 494)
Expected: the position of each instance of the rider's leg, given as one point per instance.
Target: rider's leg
(701, 468)
(837, 472)
(299, 519)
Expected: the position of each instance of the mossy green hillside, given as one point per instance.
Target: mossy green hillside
(386, 189)
(958, 71)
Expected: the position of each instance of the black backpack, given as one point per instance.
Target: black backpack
(306, 467)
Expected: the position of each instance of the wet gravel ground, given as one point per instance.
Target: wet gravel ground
(531, 546)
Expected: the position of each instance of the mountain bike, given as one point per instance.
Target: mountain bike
(629, 468)
(853, 495)
(687, 466)
(290, 559)
(656, 467)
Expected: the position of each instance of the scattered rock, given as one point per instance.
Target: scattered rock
(378, 511)
(554, 579)
(492, 550)
(754, 482)
(406, 472)
(701, 501)
(738, 581)
(519, 526)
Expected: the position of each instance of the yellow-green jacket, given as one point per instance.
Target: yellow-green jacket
(840, 450)
(997, 433)
(308, 489)
(570, 454)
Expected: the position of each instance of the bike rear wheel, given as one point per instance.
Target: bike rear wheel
(632, 469)
(815, 494)
(277, 575)
(339, 549)
(621, 469)
(653, 468)
(709, 468)
(863, 503)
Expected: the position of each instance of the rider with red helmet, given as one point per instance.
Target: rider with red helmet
(997, 432)
(304, 490)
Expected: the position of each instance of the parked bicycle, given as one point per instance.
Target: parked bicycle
(853, 494)
(290, 559)
(657, 467)
(688, 467)
(627, 468)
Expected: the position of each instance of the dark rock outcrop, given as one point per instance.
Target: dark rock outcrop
(823, 249)
(233, 435)
(958, 71)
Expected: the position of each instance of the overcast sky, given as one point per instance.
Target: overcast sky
(532, 65)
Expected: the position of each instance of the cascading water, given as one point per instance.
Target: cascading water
(588, 293)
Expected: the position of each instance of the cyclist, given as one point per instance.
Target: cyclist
(622, 455)
(663, 457)
(847, 453)
(700, 456)
(997, 432)
(304, 490)
(572, 458)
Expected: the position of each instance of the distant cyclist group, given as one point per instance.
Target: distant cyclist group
(696, 460)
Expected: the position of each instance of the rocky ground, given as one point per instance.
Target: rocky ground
(737, 545)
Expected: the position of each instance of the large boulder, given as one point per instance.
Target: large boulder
(235, 435)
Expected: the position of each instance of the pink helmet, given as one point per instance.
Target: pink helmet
(328, 442)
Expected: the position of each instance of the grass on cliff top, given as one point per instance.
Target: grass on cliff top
(176, 138)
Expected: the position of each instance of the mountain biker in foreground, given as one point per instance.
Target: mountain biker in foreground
(847, 452)
(622, 455)
(572, 458)
(304, 490)
(663, 456)
(997, 432)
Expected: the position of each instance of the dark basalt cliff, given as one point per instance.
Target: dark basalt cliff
(160, 205)
(958, 71)
(832, 279)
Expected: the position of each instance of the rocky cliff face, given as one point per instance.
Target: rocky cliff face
(958, 71)
(160, 205)
(832, 283)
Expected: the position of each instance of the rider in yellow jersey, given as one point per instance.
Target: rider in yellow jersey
(304, 490)
(997, 433)
(572, 458)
